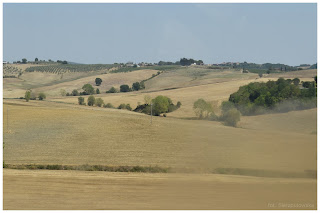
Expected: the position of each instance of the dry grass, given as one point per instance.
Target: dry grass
(99, 190)
(215, 93)
(48, 133)
(296, 74)
(193, 76)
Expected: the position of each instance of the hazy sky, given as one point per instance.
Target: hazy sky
(108, 33)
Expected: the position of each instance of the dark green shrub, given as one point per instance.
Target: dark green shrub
(296, 81)
(136, 86)
(98, 81)
(124, 88)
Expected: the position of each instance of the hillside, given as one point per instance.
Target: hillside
(269, 158)
(52, 133)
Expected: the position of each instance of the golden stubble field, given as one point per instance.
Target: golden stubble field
(72, 190)
(58, 131)
(52, 133)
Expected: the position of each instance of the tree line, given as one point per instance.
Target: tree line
(257, 97)
(160, 105)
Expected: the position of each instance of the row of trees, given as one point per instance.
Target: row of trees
(36, 60)
(88, 89)
(160, 105)
(92, 101)
(189, 61)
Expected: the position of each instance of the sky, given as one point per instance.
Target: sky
(109, 33)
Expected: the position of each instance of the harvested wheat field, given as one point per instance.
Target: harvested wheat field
(268, 162)
(47, 133)
(72, 190)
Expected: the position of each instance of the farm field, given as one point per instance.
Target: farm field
(46, 133)
(58, 131)
(16, 87)
(72, 190)
(213, 92)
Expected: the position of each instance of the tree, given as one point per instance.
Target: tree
(124, 88)
(296, 81)
(142, 86)
(24, 60)
(27, 95)
(36, 59)
(75, 92)
(260, 74)
(232, 117)
(179, 104)
(91, 100)
(81, 101)
(136, 86)
(202, 108)
(98, 81)
(42, 96)
(97, 91)
(88, 88)
(160, 105)
(306, 84)
(99, 102)
(112, 90)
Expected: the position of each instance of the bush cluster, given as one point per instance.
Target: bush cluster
(160, 104)
(92, 101)
(256, 97)
(29, 95)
